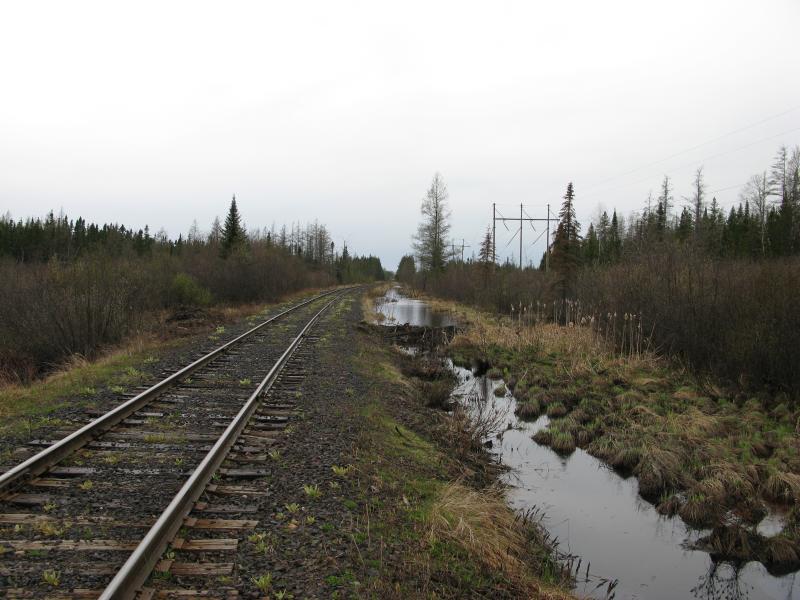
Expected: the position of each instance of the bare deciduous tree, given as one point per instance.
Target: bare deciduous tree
(756, 191)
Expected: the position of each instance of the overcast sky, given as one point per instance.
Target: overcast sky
(155, 113)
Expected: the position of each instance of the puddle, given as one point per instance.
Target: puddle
(597, 515)
(399, 310)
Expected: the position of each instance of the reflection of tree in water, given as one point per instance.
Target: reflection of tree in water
(722, 582)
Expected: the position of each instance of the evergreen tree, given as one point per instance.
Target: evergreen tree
(406, 270)
(614, 238)
(684, 230)
(232, 233)
(664, 201)
(486, 254)
(591, 247)
(565, 254)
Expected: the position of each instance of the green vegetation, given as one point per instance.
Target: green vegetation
(25, 407)
(51, 577)
(715, 456)
(312, 491)
(72, 287)
(452, 538)
(263, 582)
(713, 288)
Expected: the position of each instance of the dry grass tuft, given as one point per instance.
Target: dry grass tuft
(780, 550)
(782, 486)
(658, 470)
(648, 384)
(562, 442)
(483, 524)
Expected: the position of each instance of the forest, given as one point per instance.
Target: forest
(714, 289)
(74, 287)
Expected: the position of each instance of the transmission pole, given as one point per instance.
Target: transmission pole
(547, 250)
(520, 237)
(494, 233)
(522, 220)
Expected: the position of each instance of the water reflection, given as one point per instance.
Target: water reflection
(598, 516)
(399, 310)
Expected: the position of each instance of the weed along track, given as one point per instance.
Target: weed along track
(154, 497)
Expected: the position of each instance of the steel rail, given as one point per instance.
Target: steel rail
(141, 562)
(52, 455)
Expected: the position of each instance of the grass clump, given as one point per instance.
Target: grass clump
(529, 410)
(480, 523)
(51, 577)
(312, 491)
(263, 582)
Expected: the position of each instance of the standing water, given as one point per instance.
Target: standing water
(595, 513)
(399, 310)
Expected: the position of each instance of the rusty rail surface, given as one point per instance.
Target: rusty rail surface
(52, 455)
(129, 579)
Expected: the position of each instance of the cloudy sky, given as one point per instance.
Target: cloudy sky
(155, 113)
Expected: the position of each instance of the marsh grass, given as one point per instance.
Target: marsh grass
(480, 522)
(697, 448)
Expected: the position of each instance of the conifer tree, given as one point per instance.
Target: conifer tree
(232, 232)
(664, 201)
(485, 255)
(565, 256)
(430, 242)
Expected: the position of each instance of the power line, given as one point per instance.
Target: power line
(695, 147)
(700, 160)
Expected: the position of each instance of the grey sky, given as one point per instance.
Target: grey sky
(342, 111)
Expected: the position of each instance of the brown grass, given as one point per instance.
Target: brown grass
(782, 486)
(482, 523)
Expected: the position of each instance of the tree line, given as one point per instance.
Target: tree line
(713, 288)
(58, 237)
(764, 224)
(71, 286)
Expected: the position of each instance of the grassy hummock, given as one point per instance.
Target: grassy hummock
(718, 457)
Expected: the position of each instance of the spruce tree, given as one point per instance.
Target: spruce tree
(566, 244)
(485, 254)
(232, 232)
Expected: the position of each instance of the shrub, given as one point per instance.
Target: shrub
(186, 291)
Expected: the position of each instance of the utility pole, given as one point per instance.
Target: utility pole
(494, 233)
(547, 250)
(520, 236)
(462, 249)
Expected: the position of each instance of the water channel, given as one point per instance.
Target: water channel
(595, 513)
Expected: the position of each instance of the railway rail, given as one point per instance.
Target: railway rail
(199, 434)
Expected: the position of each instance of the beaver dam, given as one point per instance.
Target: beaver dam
(595, 513)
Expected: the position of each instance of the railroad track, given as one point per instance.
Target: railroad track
(156, 491)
